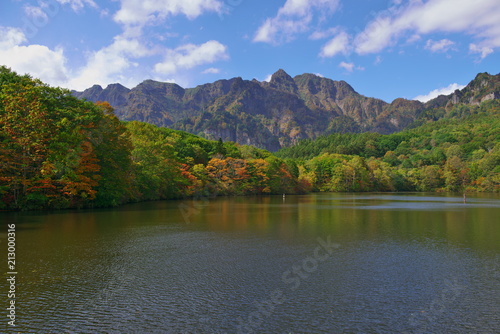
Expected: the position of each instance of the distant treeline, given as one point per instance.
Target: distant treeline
(61, 152)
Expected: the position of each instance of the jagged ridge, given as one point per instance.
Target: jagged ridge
(277, 113)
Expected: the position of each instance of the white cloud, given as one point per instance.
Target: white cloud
(104, 12)
(413, 38)
(443, 45)
(350, 67)
(266, 32)
(78, 5)
(211, 70)
(10, 37)
(140, 12)
(319, 75)
(484, 50)
(280, 30)
(110, 64)
(113, 63)
(322, 34)
(37, 60)
(338, 44)
(118, 61)
(478, 18)
(268, 78)
(440, 91)
(293, 18)
(191, 55)
(303, 7)
(377, 35)
(35, 12)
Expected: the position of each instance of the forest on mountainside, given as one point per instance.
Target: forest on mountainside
(61, 152)
(460, 152)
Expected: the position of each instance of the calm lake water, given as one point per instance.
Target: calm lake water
(319, 263)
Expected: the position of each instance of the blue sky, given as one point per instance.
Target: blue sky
(384, 49)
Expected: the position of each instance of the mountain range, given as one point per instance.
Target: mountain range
(278, 113)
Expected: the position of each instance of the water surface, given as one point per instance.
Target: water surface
(319, 263)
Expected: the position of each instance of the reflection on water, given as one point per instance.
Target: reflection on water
(415, 263)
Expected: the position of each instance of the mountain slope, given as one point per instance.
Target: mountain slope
(280, 112)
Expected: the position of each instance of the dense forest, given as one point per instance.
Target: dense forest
(460, 152)
(61, 152)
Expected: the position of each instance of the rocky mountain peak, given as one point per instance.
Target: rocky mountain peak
(95, 89)
(115, 94)
(117, 86)
(406, 104)
(484, 87)
(282, 81)
(281, 75)
(277, 113)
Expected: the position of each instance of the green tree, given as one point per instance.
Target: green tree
(113, 149)
(157, 173)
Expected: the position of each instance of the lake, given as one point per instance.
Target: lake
(318, 263)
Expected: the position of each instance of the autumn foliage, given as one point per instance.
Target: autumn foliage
(48, 157)
(61, 152)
